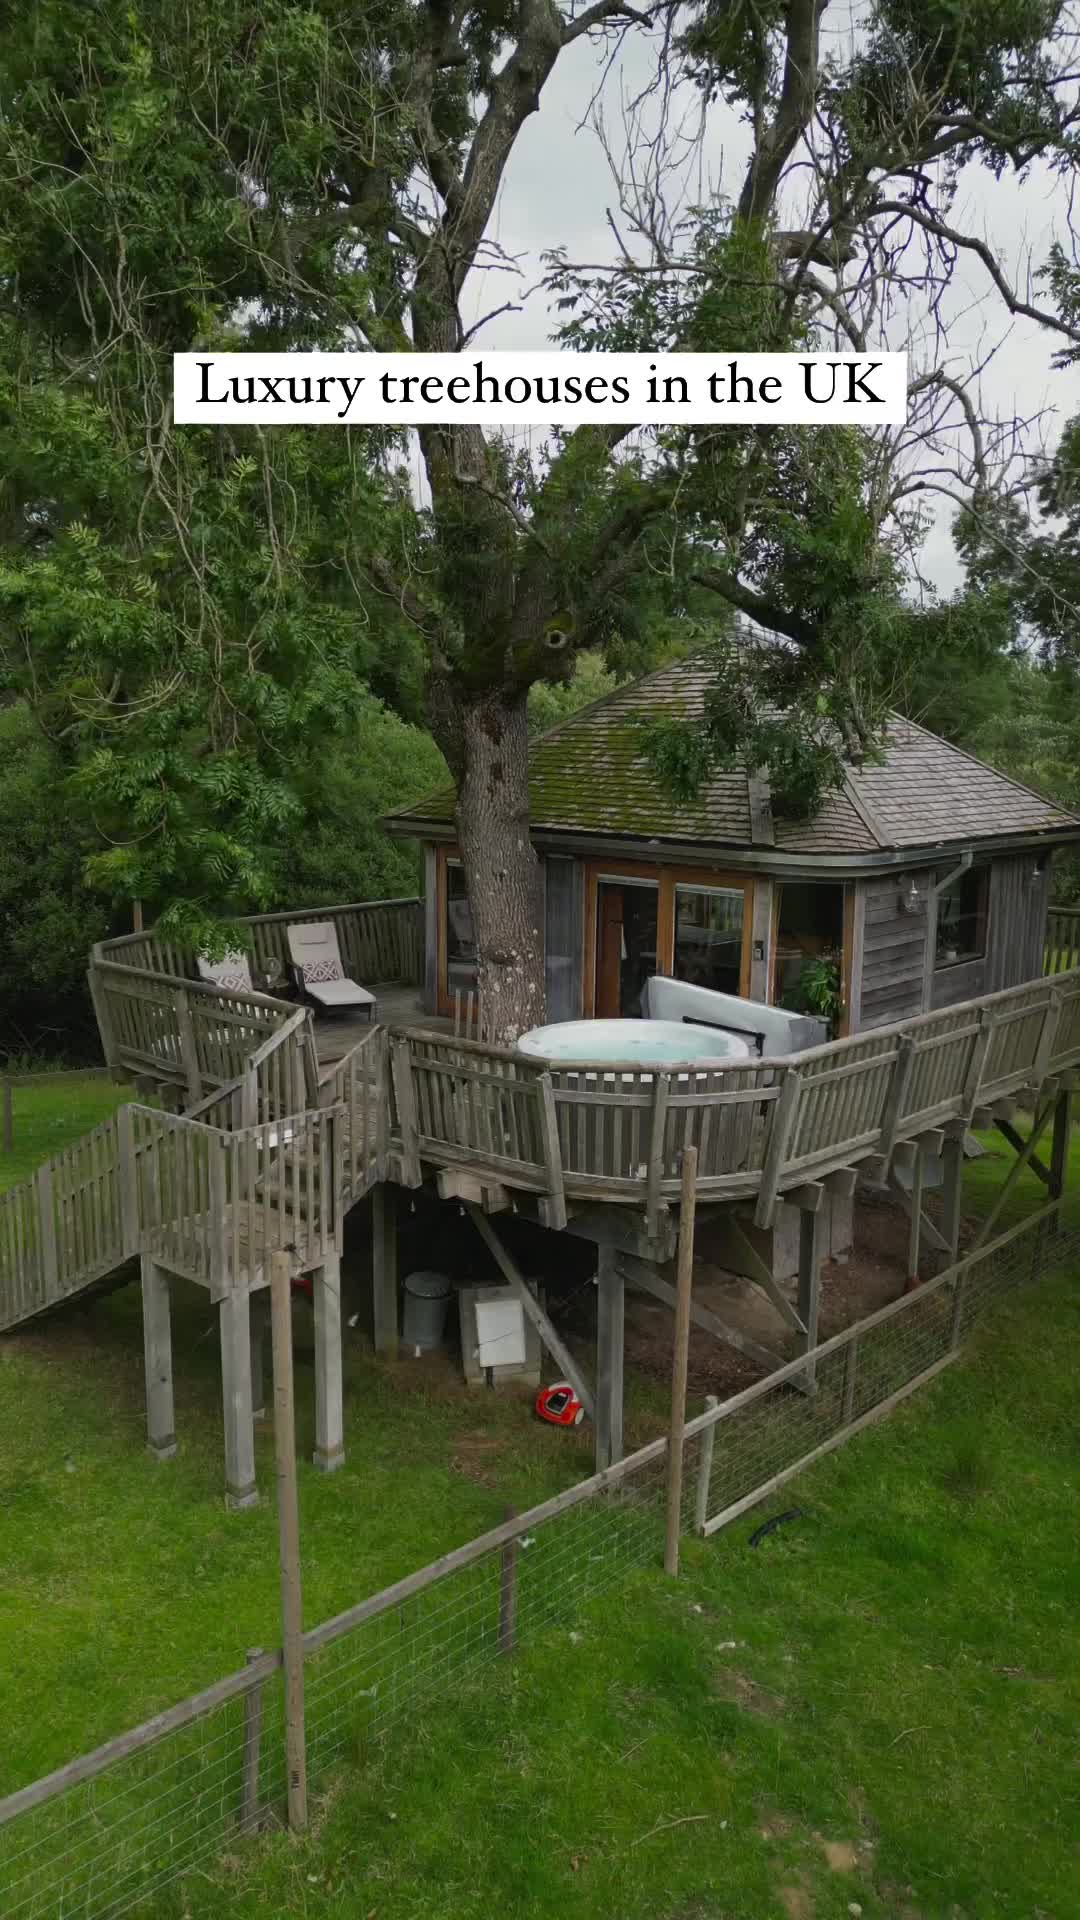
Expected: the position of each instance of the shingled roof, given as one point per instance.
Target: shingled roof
(588, 775)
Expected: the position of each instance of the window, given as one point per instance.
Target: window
(709, 937)
(460, 941)
(961, 917)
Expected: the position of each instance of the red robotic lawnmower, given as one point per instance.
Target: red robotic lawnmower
(560, 1405)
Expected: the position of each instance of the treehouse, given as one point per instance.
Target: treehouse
(911, 913)
(922, 883)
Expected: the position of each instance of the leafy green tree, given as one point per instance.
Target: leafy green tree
(186, 607)
(338, 852)
(49, 916)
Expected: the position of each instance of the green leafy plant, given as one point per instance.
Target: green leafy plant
(817, 990)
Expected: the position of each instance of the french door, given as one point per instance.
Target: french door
(687, 922)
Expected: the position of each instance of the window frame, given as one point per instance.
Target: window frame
(666, 879)
(980, 872)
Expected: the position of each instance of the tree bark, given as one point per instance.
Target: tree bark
(502, 872)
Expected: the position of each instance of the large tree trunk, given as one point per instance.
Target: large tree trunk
(502, 873)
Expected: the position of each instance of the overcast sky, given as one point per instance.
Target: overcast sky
(559, 191)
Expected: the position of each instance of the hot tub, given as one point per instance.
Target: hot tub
(639, 1043)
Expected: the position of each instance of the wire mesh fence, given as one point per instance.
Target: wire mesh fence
(401, 1652)
(105, 1835)
(109, 1843)
(752, 1443)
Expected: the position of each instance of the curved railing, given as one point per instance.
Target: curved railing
(617, 1133)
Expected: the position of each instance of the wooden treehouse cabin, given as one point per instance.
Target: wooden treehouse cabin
(923, 884)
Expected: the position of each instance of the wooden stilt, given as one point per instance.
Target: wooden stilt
(1059, 1146)
(952, 1154)
(384, 1269)
(329, 1414)
(683, 1290)
(915, 1218)
(258, 1324)
(157, 1356)
(610, 1326)
(811, 1244)
(288, 1504)
(234, 1315)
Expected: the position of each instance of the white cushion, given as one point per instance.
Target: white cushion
(339, 993)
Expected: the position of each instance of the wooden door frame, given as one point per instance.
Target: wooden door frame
(666, 879)
(444, 856)
(847, 941)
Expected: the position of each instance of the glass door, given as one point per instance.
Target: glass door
(627, 912)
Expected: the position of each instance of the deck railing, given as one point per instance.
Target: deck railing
(619, 1131)
(204, 1202)
(1062, 939)
(380, 940)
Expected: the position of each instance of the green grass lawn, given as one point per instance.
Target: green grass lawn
(48, 1118)
(903, 1683)
(874, 1708)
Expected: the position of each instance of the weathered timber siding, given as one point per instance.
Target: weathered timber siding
(1019, 898)
(564, 917)
(1015, 935)
(894, 955)
(964, 980)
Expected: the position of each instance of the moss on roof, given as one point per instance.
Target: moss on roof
(589, 774)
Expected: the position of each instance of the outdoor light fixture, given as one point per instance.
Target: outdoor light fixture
(910, 898)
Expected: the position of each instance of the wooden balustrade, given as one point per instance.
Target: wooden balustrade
(381, 941)
(758, 1129)
(359, 1084)
(271, 1157)
(1062, 940)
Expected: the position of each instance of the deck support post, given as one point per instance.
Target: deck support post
(384, 1269)
(234, 1316)
(258, 1327)
(916, 1218)
(811, 1244)
(952, 1155)
(1059, 1146)
(329, 1415)
(157, 1356)
(610, 1337)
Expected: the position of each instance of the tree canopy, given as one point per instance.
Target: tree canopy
(196, 615)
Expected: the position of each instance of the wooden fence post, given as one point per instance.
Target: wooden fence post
(707, 1445)
(655, 1169)
(687, 1203)
(292, 1619)
(549, 1140)
(189, 1052)
(508, 1590)
(253, 1718)
(784, 1109)
(99, 1001)
(406, 1106)
(50, 1269)
(127, 1173)
(851, 1365)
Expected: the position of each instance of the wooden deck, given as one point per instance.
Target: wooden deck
(395, 1006)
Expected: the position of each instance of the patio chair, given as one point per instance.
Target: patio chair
(319, 974)
(232, 972)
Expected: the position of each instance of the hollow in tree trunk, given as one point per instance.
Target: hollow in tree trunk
(502, 873)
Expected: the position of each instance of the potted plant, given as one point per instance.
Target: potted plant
(817, 990)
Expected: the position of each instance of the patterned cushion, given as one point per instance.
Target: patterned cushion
(316, 970)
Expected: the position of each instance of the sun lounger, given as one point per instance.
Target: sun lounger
(320, 976)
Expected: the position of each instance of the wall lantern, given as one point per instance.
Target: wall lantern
(910, 898)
